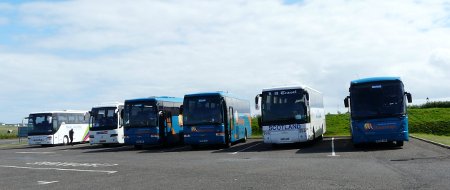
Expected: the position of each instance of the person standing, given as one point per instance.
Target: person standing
(71, 136)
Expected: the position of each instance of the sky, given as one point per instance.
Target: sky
(58, 55)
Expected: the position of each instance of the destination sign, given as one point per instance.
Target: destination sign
(283, 92)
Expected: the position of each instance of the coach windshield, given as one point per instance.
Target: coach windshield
(380, 99)
(284, 107)
(200, 110)
(104, 118)
(40, 124)
(140, 114)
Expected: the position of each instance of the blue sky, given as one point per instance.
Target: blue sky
(77, 54)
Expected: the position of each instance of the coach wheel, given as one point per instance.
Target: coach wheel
(228, 141)
(399, 143)
(314, 134)
(320, 138)
(357, 145)
(194, 146)
(245, 137)
(65, 140)
(274, 145)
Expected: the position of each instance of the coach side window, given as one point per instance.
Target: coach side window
(72, 119)
(62, 118)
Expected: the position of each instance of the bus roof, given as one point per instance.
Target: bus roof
(159, 98)
(290, 88)
(220, 93)
(61, 111)
(108, 104)
(374, 79)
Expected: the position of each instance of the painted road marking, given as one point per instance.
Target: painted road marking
(46, 182)
(35, 152)
(333, 153)
(245, 148)
(73, 164)
(59, 169)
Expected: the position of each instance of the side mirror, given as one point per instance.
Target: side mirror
(181, 109)
(346, 101)
(409, 97)
(121, 114)
(24, 120)
(257, 101)
(87, 115)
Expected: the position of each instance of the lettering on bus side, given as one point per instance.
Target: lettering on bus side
(285, 127)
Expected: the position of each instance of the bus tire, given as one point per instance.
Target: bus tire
(227, 144)
(194, 146)
(357, 145)
(65, 140)
(245, 136)
(227, 139)
(314, 134)
(399, 143)
(320, 138)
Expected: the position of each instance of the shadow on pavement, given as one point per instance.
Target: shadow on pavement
(345, 145)
(240, 147)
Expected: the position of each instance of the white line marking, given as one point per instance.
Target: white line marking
(245, 148)
(35, 152)
(332, 148)
(46, 182)
(59, 169)
(72, 164)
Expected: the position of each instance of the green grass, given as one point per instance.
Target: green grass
(434, 121)
(256, 130)
(4, 132)
(430, 120)
(436, 138)
(338, 125)
(23, 143)
(437, 104)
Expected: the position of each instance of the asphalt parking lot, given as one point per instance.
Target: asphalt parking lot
(250, 165)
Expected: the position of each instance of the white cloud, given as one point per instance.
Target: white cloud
(126, 50)
(6, 7)
(441, 59)
(4, 21)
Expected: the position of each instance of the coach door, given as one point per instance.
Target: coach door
(232, 122)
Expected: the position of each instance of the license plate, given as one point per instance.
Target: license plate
(381, 140)
(139, 142)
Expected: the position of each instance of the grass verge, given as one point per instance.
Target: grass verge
(436, 138)
(4, 132)
(337, 125)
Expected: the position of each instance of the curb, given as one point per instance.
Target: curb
(432, 142)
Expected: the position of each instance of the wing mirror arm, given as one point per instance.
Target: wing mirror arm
(408, 97)
(257, 101)
(346, 101)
